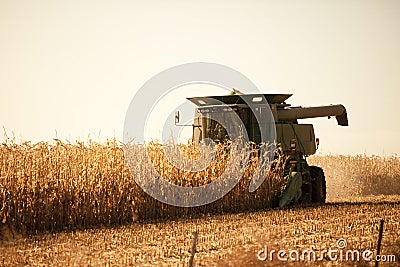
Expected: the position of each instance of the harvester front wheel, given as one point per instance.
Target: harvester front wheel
(318, 185)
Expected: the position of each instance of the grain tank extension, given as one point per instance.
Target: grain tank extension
(305, 184)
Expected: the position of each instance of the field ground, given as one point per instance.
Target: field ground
(224, 240)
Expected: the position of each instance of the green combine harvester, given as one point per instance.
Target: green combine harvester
(304, 184)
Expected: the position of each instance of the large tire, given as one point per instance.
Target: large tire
(318, 185)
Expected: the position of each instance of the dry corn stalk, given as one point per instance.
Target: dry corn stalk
(59, 185)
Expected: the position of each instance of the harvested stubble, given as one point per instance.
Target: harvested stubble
(57, 186)
(223, 240)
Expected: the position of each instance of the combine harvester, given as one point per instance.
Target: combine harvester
(304, 184)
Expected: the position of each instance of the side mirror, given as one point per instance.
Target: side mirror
(177, 117)
(317, 142)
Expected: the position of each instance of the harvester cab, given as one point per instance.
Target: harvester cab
(304, 184)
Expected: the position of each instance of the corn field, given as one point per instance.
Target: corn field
(360, 175)
(58, 185)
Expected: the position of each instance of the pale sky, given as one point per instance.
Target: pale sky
(72, 67)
